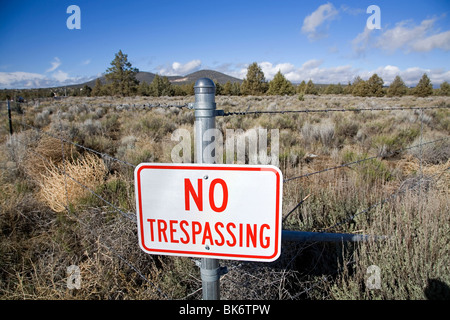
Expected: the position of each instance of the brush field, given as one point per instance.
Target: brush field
(49, 222)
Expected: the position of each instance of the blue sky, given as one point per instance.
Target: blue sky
(325, 41)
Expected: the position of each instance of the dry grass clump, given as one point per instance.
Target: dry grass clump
(433, 153)
(61, 184)
(48, 149)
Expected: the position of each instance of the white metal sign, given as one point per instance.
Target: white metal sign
(210, 211)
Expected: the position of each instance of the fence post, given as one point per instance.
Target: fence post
(205, 119)
(9, 118)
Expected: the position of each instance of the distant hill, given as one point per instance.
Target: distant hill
(211, 74)
(176, 80)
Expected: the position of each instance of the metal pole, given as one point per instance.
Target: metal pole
(9, 118)
(305, 236)
(205, 119)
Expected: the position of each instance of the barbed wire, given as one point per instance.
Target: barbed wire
(350, 218)
(101, 154)
(128, 263)
(256, 112)
(361, 160)
(53, 102)
(131, 218)
(385, 200)
(127, 106)
(347, 165)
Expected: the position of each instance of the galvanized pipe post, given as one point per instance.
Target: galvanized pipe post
(205, 119)
(9, 118)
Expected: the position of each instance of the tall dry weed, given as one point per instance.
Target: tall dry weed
(67, 182)
(47, 149)
(415, 252)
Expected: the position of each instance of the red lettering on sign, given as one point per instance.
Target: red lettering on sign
(225, 195)
(151, 228)
(222, 239)
(196, 231)
(251, 235)
(229, 226)
(248, 235)
(241, 237)
(182, 223)
(198, 197)
(207, 234)
(267, 243)
(172, 231)
(162, 227)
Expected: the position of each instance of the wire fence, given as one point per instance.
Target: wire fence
(331, 110)
(131, 217)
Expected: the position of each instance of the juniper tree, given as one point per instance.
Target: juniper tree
(374, 86)
(98, 88)
(280, 85)
(444, 89)
(301, 87)
(160, 86)
(143, 89)
(227, 88)
(397, 87)
(236, 89)
(424, 88)
(359, 87)
(334, 89)
(122, 75)
(311, 88)
(255, 82)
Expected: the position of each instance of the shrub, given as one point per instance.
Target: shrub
(397, 87)
(323, 132)
(424, 88)
(433, 153)
(58, 185)
(280, 85)
(42, 119)
(91, 127)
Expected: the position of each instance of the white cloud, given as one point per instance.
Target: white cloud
(312, 23)
(313, 70)
(352, 11)
(270, 70)
(180, 69)
(85, 62)
(55, 64)
(410, 76)
(310, 64)
(13, 79)
(437, 41)
(362, 41)
(27, 80)
(61, 76)
(309, 70)
(405, 36)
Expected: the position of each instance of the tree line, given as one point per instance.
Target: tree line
(121, 81)
(255, 84)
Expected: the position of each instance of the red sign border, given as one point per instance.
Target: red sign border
(217, 168)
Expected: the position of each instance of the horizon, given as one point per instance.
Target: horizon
(329, 42)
